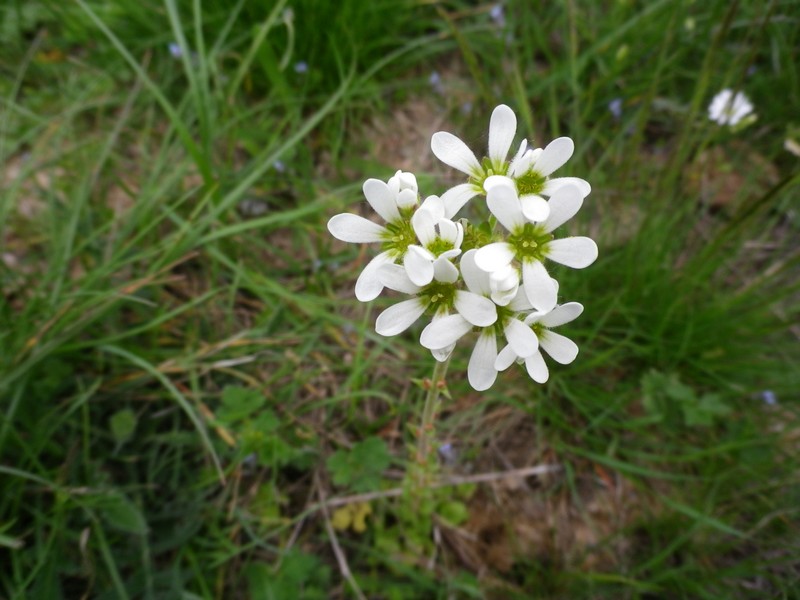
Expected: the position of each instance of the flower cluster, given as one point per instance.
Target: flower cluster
(478, 277)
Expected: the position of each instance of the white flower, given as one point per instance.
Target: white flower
(561, 349)
(441, 335)
(395, 202)
(504, 284)
(530, 169)
(729, 108)
(531, 243)
(440, 241)
(441, 295)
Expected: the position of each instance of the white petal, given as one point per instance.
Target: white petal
(403, 180)
(535, 208)
(368, 284)
(407, 199)
(555, 154)
(504, 298)
(551, 186)
(520, 302)
(504, 284)
(396, 319)
(562, 314)
(435, 205)
(355, 229)
(521, 338)
(395, 278)
(562, 349)
(564, 204)
(502, 200)
(444, 331)
(536, 367)
(538, 285)
(502, 128)
(505, 358)
(455, 153)
(477, 280)
(494, 256)
(448, 230)
(442, 354)
(444, 270)
(481, 372)
(575, 252)
(478, 310)
(381, 199)
(455, 198)
(424, 224)
(419, 265)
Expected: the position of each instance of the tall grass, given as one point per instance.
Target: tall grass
(181, 354)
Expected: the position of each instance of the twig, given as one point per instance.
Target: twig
(344, 568)
(447, 481)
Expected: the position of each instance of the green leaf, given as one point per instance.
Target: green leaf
(123, 425)
(361, 467)
(239, 403)
(453, 512)
(120, 513)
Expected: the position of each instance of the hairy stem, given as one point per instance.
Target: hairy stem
(429, 410)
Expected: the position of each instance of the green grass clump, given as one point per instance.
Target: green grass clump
(186, 378)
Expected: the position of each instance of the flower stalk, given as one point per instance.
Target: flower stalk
(427, 428)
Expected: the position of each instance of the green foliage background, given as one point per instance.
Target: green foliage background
(185, 374)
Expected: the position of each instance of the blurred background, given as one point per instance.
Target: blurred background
(186, 376)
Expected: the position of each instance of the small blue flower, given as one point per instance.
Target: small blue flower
(435, 80)
(615, 107)
(301, 67)
(769, 397)
(497, 13)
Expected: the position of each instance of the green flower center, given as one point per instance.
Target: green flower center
(489, 169)
(530, 183)
(440, 295)
(398, 237)
(504, 313)
(530, 242)
(438, 246)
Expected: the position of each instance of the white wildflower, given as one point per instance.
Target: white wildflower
(441, 295)
(561, 349)
(530, 169)
(529, 243)
(440, 241)
(394, 201)
(444, 332)
(729, 108)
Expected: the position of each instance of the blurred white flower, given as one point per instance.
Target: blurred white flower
(729, 108)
